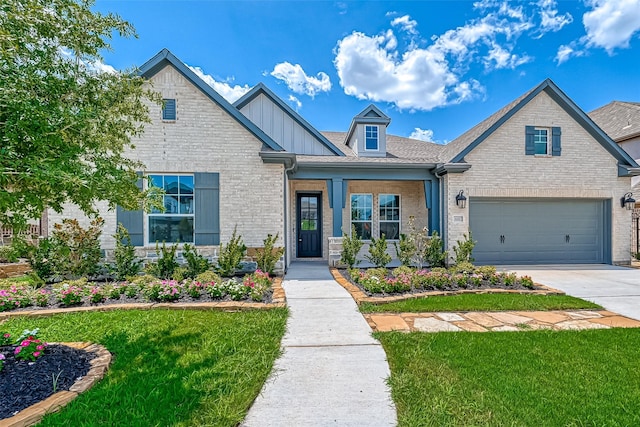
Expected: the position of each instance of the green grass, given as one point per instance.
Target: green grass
(481, 302)
(536, 378)
(170, 367)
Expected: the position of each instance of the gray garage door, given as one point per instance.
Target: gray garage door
(539, 231)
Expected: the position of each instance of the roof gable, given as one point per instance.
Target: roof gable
(370, 115)
(457, 149)
(165, 58)
(261, 89)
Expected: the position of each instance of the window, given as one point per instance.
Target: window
(371, 137)
(389, 206)
(541, 141)
(175, 224)
(361, 214)
(168, 109)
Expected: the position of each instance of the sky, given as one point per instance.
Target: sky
(436, 68)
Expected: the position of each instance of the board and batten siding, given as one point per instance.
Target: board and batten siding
(282, 128)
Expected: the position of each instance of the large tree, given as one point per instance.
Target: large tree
(65, 122)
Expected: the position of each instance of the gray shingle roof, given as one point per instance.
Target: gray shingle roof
(620, 120)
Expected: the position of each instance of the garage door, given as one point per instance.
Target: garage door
(538, 231)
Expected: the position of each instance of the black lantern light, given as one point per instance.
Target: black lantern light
(627, 201)
(461, 200)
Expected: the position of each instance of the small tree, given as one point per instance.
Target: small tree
(378, 255)
(166, 264)
(230, 255)
(405, 249)
(268, 255)
(126, 262)
(196, 263)
(76, 250)
(351, 245)
(463, 249)
(433, 252)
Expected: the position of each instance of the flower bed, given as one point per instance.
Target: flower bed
(254, 287)
(380, 281)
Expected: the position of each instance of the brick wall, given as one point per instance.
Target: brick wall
(501, 169)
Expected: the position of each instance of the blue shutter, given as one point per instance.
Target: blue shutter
(132, 221)
(529, 145)
(169, 109)
(207, 220)
(556, 149)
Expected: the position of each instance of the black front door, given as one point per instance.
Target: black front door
(309, 214)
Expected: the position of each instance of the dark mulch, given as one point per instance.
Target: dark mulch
(24, 383)
(485, 285)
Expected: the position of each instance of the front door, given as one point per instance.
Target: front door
(309, 214)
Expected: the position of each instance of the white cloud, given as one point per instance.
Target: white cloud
(422, 134)
(299, 82)
(551, 20)
(611, 23)
(101, 67)
(406, 24)
(225, 89)
(296, 102)
(374, 67)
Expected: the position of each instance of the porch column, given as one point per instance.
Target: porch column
(337, 188)
(432, 201)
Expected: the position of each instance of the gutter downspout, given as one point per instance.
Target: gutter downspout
(443, 227)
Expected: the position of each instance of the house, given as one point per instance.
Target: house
(540, 181)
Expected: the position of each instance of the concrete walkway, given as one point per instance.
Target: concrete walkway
(332, 372)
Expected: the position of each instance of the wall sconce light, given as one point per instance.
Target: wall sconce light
(627, 201)
(461, 200)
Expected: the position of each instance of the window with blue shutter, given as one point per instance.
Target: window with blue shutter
(542, 141)
(556, 148)
(133, 221)
(168, 109)
(529, 145)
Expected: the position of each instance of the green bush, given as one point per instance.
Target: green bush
(8, 254)
(463, 249)
(463, 267)
(402, 270)
(434, 253)
(40, 259)
(126, 263)
(268, 255)
(166, 264)
(378, 255)
(208, 277)
(486, 271)
(405, 249)
(77, 250)
(351, 245)
(196, 263)
(230, 255)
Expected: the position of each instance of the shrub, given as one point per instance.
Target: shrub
(126, 263)
(405, 249)
(193, 288)
(97, 294)
(42, 297)
(433, 252)
(463, 249)
(40, 259)
(378, 255)
(230, 255)
(463, 267)
(527, 282)
(268, 255)
(166, 264)
(179, 274)
(75, 250)
(236, 290)
(397, 284)
(351, 245)
(207, 277)
(486, 271)
(509, 279)
(215, 289)
(14, 297)
(402, 270)
(419, 239)
(196, 263)
(373, 284)
(7, 254)
(165, 290)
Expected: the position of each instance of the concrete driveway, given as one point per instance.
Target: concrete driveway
(615, 288)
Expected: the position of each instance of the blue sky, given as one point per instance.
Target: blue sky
(437, 68)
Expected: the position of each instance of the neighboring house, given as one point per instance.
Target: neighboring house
(542, 182)
(621, 121)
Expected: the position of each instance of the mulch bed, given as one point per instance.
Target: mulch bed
(24, 383)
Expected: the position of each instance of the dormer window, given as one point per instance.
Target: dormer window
(371, 138)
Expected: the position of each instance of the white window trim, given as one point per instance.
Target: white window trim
(549, 139)
(351, 221)
(377, 138)
(145, 222)
(399, 221)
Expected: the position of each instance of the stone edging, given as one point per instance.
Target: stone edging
(359, 296)
(278, 300)
(34, 413)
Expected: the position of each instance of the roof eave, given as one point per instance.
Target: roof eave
(279, 157)
(445, 168)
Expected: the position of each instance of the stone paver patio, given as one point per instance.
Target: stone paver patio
(498, 321)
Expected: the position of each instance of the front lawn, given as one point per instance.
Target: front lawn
(170, 367)
(481, 302)
(538, 378)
